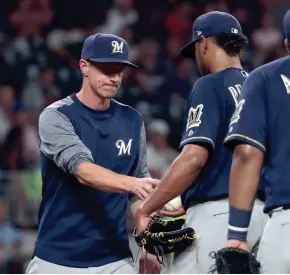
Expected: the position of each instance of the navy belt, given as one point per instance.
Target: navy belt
(194, 201)
(277, 209)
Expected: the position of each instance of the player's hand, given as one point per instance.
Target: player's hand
(142, 221)
(143, 187)
(237, 244)
(176, 213)
(148, 264)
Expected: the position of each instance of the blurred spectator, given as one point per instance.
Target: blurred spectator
(120, 16)
(10, 244)
(243, 16)
(14, 162)
(179, 22)
(7, 102)
(171, 98)
(266, 39)
(44, 11)
(151, 75)
(220, 5)
(41, 90)
(128, 35)
(268, 35)
(172, 56)
(39, 14)
(27, 120)
(159, 154)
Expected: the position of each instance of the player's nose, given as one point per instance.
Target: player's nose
(115, 78)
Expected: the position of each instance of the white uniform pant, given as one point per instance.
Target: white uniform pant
(210, 222)
(39, 266)
(274, 249)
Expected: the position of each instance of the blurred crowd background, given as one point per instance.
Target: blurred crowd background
(40, 45)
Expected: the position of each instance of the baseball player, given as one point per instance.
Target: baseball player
(93, 154)
(201, 172)
(260, 137)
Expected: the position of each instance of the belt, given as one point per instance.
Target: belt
(193, 202)
(278, 209)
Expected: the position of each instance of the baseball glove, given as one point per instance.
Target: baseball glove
(232, 260)
(163, 237)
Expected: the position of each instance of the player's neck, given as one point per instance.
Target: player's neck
(220, 63)
(93, 101)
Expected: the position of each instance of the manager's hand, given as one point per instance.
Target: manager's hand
(148, 264)
(143, 187)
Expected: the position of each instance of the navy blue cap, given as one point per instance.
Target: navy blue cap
(211, 24)
(106, 48)
(287, 25)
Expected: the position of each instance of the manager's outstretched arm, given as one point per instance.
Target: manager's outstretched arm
(60, 143)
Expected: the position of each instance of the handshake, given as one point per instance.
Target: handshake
(144, 187)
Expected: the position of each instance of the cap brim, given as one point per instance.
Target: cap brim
(188, 50)
(113, 60)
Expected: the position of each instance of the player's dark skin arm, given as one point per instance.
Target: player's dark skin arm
(245, 176)
(183, 171)
(244, 181)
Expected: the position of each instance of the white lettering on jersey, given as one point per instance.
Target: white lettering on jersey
(123, 149)
(244, 73)
(286, 81)
(235, 92)
(236, 115)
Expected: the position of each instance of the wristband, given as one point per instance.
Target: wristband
(239, 221)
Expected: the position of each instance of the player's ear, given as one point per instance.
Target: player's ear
(203, 45)
(84, 66)
(287, 46)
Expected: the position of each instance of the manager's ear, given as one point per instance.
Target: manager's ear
(84, 66)
(287, 46)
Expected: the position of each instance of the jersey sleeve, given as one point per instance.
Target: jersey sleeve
(248, 123)
(141, 170)
(202, 117)
(60, 143)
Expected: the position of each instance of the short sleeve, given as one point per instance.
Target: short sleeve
(248, 123)
(141, 170)
(202, 117)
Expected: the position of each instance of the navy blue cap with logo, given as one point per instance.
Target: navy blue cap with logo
(106, 48)
(211, 24)
(287, 25)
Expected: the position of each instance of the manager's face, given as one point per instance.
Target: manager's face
(104, 78)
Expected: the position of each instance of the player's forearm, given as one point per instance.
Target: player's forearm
(103, 179)
(183, 171)
(135, 206)
(244, 182)
(245, 176)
